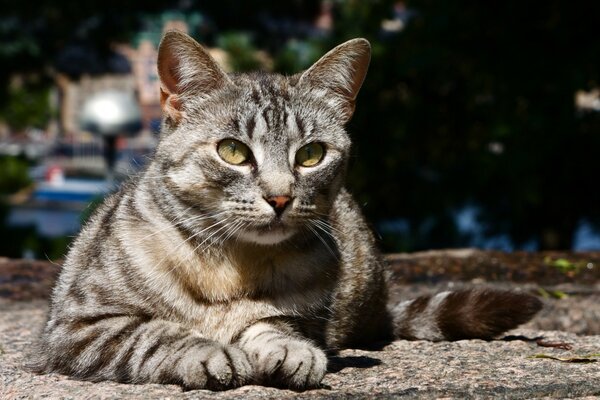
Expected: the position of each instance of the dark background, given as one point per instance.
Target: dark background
(468, 110)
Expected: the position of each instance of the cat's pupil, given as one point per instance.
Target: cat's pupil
(310, 155)
(233, 151)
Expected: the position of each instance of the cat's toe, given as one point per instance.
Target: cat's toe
(228, 367)
(304, 367)
(223, 368)
(295, 364)
(242, 370)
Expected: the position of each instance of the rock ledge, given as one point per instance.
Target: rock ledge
(500, 369)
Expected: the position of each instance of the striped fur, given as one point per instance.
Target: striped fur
(188, 275)
(465, 314)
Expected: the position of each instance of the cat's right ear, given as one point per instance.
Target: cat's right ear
(185, 69)
(339, 74)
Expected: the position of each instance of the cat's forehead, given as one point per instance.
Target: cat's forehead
(272, 107)
(263, 87)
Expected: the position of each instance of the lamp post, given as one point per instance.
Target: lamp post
(110, 114)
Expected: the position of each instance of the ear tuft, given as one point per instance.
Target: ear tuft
(340, 73)
(185, 69)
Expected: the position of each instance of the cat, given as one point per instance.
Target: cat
(237, 256)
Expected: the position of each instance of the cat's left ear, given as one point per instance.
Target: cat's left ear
(340, 74)
(186, 69)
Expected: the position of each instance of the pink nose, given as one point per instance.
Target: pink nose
(279, 203)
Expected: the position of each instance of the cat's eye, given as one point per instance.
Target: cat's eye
(233, 151)
(310, 154)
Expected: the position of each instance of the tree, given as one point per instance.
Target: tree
(472, 103)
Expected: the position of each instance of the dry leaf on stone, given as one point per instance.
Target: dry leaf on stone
(588, 358)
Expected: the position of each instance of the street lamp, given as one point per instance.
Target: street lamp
(110, 114)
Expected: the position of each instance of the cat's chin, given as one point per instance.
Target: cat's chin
(266, 238)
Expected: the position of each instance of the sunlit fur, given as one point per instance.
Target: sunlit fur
(188, 275)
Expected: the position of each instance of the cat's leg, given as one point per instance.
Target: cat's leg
(281, 357)
(138, 350)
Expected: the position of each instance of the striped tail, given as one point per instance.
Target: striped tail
(465, 314)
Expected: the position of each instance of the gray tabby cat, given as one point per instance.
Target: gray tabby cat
(237, 256)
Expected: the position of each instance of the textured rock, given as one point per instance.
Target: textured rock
(463, 369)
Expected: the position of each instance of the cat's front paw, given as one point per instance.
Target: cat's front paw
(216, 367)
(289, 362)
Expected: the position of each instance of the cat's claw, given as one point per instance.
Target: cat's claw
(291, 363)
(224, 368)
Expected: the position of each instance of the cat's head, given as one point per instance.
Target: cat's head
(263, 155)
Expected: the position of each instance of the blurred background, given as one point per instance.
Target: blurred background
(478, 124)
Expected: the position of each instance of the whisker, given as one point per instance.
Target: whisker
(187, 240)
(323, 241)
(171, 224)
(236, 228)
(327, 225)
(209, 237)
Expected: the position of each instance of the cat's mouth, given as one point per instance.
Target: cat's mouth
(268, 234)
(275, 225)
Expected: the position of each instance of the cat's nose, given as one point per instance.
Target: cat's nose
(279, 203)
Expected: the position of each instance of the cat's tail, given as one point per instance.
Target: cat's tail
(464, 314)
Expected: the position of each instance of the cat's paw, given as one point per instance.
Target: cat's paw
(215, 367)
(289, 362)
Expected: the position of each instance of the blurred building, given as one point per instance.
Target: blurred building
(145, 80)
(131, 68)
(74, 93)
(139, 76)
(143, 52)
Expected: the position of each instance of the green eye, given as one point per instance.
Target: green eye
(233, 151)
(310, 155)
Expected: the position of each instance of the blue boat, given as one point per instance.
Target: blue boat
(55, 205)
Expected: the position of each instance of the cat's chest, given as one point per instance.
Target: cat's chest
(286, 276)
(279, 276)
(236, 292)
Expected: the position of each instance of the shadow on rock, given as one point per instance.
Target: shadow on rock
(336, 363)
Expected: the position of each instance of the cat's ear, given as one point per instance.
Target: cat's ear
(185, 69)
(340, 73)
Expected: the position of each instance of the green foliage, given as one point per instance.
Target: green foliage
(91, 209)
(474, 105)
(472, 101)
(48, 248)
(552, 294)
(16, 242)
(565, 266)
(561, 264)
(297, 55)
(12, 240)
(14, 175)
(27, 106)
(241, 53)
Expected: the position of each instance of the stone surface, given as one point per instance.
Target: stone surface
(543, 268)
(463, 369)
(402, 369)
